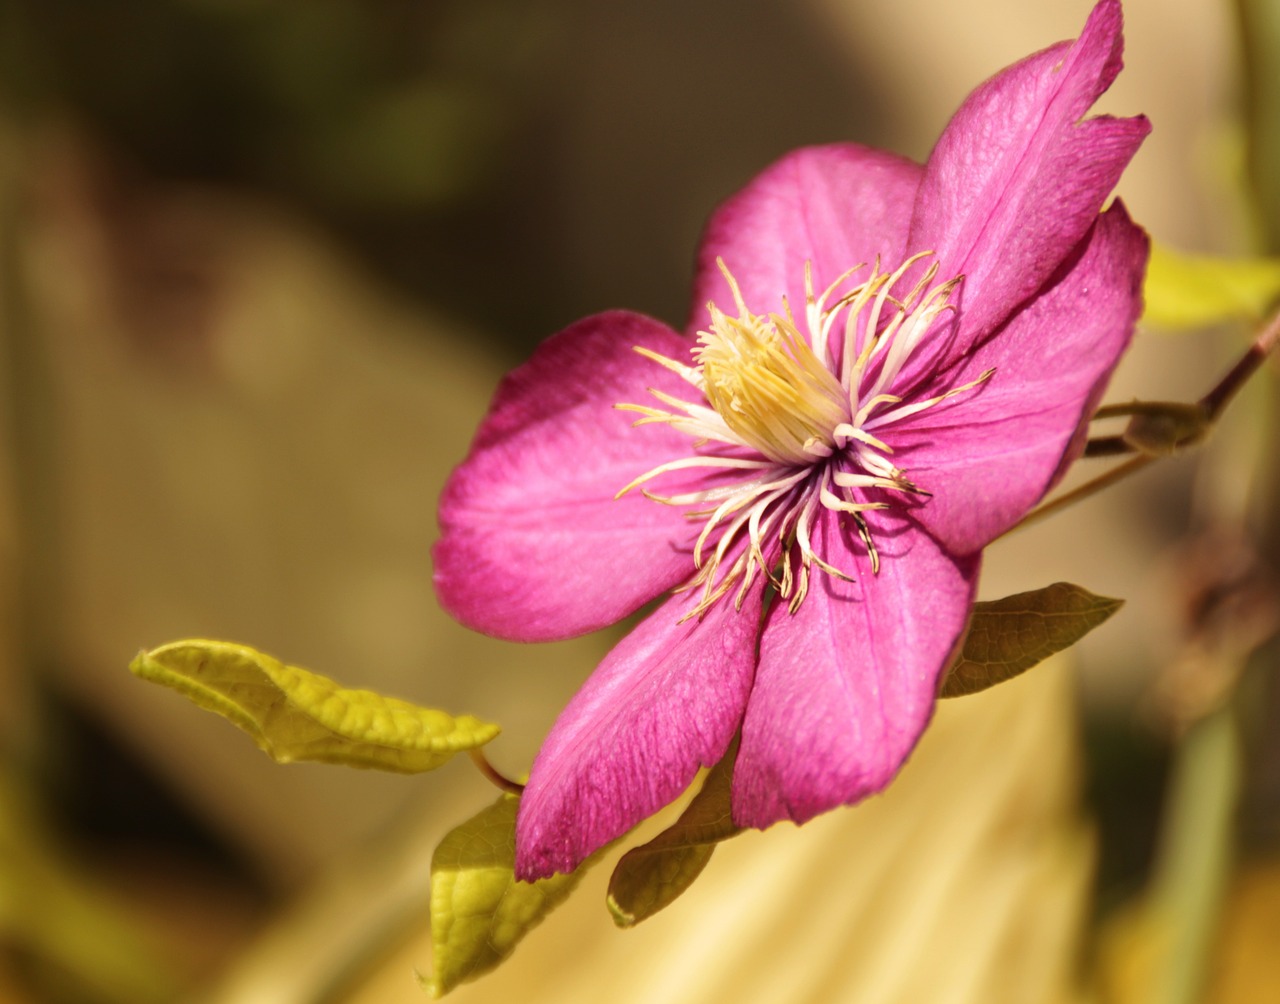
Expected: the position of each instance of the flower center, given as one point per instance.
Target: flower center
(787, 429)
(761, 377)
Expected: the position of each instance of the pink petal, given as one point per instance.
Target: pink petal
(666, 701)
(1017, 178)
(993, 453)
(834, 205)
(846, 685)
(533, 544)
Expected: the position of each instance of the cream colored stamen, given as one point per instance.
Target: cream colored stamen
(764, 380)
(795, 425)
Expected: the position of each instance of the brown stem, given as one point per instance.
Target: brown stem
(495, 777)
(1107, 446)
(1217, 399)
(1130, 408)
(1084, 491)
(1212, 405)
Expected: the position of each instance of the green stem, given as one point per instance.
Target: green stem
(1194, 859)
(1259, 35)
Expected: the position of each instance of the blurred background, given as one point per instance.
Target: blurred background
(262, 263)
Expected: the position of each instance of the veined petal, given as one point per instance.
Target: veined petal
(1019, 174)
(847, 683)
(666, 701)
(835, 206)
(994, 453)
(533, 544)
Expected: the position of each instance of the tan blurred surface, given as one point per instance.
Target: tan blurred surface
(967, 881)
(278, 491)
(1177, 72)
(1243, 969)
(1247, 972)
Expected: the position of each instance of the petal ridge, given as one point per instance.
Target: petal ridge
(989, 458)
(1019, 174)
(846, 685)
(665, 702)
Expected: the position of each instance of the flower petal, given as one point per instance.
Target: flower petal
(991, 455)
(1019, 175)
(666, 701)
(533, 544)
(846, 685)
(835, 206)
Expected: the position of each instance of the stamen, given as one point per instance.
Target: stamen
(698, 460)
(844, 432)
(900, 413)
(796, 425)
(688, 373)
(865, 534)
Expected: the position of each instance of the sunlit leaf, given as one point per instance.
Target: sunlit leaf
(1009, 636)
(650, 877)
(1193, 291)
(479, 912)
(293, 714)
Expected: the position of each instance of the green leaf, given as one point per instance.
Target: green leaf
(651, 877)
(479, 912)
(1009, 636)
(293, 714)
(1194, 291)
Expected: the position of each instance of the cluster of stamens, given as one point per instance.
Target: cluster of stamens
(793, 429)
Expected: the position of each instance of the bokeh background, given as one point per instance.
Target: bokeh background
(261, 265)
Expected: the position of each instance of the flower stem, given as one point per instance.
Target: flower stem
(1195, 853)
(1209, 407)
(1084, 491)
(1217, 399)
(1107, 446)
(494, 776)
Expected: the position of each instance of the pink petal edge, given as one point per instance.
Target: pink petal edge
(836, 206)
(665, 702)
(993, 454)
(1019, 175)
(533, 545)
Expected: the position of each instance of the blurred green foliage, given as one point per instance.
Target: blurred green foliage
(396, 124)
(326, 100)
(67, 936)
(515, 164)
(1259, 33)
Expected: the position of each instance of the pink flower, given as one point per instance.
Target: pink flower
(897, 363)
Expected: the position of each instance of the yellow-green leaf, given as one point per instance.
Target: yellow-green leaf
(1009, 636)
(1194, 291)
(293, 714)
(479, 912)
(651, 876)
